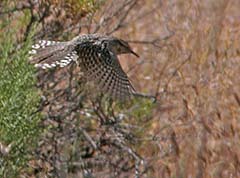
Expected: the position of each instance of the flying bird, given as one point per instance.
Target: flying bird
(97, 57)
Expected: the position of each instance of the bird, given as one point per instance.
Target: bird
(97, 57)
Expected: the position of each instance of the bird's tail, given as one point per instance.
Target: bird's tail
(51, 54)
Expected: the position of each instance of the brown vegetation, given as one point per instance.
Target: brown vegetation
(189, 59)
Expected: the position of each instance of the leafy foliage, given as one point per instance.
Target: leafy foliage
(18, 103)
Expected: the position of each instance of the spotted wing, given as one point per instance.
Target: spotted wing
(51, 54)
(104, 68)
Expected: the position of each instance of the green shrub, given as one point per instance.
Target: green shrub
(18, 102)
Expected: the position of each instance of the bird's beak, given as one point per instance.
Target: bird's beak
(134, 53)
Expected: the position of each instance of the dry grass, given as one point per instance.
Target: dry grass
(190, 59)
(196, 72)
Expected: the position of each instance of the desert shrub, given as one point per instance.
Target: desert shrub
(19, 101)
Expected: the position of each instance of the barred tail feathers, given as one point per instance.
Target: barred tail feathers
(51, 54)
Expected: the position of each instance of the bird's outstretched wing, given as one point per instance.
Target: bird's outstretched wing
(98, 64)
(51, 54)
(102, 66)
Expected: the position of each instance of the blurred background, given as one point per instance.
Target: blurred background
(52, 126)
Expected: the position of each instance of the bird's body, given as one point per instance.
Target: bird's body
(97, 57)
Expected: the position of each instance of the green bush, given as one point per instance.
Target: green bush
(18, 103)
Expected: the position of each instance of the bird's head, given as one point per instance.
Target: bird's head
(119, 46)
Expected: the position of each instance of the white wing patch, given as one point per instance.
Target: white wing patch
(69, 58)
(42, 44)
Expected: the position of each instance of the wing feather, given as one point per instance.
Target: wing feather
(51, 54)
(104, 68)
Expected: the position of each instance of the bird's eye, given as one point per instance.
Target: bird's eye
(119, 49)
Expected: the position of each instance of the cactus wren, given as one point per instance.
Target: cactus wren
(97, 57)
